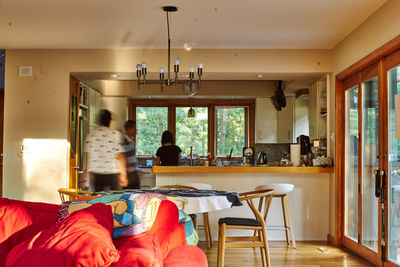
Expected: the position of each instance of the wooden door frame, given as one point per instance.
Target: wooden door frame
(375, 57)
(73, 182)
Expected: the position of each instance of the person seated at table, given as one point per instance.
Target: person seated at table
(168, 154)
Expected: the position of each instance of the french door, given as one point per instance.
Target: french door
(371, 160)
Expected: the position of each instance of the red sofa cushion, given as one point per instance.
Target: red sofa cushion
(82, 239)
(165, 223)
(139, 251)
(186, 256)
(20, 220)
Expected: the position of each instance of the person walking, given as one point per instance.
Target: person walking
(105, 160)
(132, 165)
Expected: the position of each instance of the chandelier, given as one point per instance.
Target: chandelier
(190, 86)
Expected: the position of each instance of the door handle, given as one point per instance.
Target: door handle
(377, 183)
(76, 167)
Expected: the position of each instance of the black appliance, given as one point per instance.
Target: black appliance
(262, 159)
(305, 145)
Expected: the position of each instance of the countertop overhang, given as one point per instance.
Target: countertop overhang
(240, 169)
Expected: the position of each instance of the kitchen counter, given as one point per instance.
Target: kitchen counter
(240, 169)
(309, 201)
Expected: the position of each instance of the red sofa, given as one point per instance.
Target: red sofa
(30, 236)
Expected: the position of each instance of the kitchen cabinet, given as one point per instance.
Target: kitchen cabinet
(285, 122)
(318, 109)
(274, 126)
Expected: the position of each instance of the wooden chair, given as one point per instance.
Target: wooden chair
(73, 193)
(206, 220)
(258, 224)
(281, 191)
(180, 202)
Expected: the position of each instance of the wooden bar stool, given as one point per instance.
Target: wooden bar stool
(281, 191)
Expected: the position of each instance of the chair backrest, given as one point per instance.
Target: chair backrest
(177, 186)
(179, 202)
(265, 198)
(73, 193)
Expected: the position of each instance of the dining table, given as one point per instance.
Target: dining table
(197, 201)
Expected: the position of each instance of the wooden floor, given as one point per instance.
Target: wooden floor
(308, 254)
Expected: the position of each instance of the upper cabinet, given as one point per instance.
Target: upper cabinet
(317, 107)
(274, 126)
(285, 122)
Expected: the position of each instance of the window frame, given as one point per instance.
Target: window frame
(211, 104)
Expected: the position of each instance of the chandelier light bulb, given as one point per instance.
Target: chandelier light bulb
(176, 61)
(200, 65)
(144, 64)
(161, 70)
(191, 69)
(138, 67)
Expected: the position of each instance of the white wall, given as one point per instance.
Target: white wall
(36, 107)
(378, 29)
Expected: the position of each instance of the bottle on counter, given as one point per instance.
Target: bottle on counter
(209, 158)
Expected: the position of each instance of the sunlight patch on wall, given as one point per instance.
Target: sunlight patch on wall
(44, 168)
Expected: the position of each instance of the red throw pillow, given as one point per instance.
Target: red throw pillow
(139, 251)
(186, 256)
(20, 220)
(82, 239)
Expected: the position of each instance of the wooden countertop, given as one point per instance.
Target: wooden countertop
(240, 169)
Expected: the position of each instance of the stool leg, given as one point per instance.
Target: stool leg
(285, 218)
(221, 245)
(207, 232)
(290, 221)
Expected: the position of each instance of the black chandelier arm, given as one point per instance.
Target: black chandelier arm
(165, 82)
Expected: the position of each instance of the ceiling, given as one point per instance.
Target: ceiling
(306, 24)
(206, 24)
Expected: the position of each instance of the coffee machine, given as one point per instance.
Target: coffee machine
(305, 145)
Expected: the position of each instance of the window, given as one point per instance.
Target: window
(219, 126)
(192, 131)
(231, 126)
(150, 124)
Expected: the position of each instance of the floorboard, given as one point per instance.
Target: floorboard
(307, 254)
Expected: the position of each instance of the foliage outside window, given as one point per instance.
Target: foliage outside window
(192, 131)
(230, 130)
(150, 124)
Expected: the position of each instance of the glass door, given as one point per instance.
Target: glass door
(370, 163)
(361, 151)
(351, 167)
(393, 147)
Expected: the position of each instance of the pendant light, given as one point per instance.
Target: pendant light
(191, 113)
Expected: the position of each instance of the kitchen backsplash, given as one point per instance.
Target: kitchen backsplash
(274, 151)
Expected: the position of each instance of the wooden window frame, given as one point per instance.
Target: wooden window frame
(211, 104)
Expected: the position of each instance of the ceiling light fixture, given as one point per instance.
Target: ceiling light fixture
(141, 69)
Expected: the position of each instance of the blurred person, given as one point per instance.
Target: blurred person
(168, 154)
(132, 165)
(104, 156)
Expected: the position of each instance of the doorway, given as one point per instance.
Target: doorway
(368, 165)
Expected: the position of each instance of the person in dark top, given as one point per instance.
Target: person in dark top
(168, 154)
